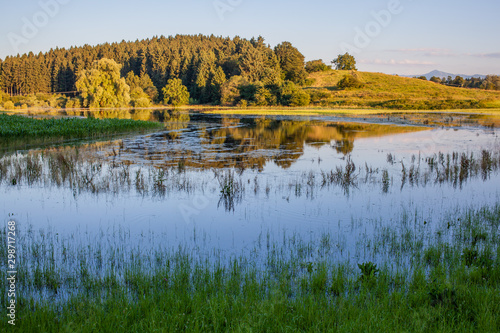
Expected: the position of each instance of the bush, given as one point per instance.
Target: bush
(291, 95)
(230, 90)
(318, 96)
(193, 101)
(263, 97)
(8, 105)
(300, 98)
(242, 104)
(309, 82)
(317, 66)
(349, 81)
(139, 99)
(69, 104)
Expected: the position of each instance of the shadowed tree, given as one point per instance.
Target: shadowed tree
(230, 90)
(291, 95)
(316, 66)
(459, 81)
(102, 86)
(291, 62)
(435, 79)
(175, 93)
(345, 62)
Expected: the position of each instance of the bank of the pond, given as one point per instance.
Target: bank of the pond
(272, 110)
(441, 280)
(15, 127)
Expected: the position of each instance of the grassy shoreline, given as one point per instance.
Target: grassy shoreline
(14, 126)
(446, 279)
(274, 110)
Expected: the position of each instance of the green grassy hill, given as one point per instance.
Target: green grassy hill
(394, 92)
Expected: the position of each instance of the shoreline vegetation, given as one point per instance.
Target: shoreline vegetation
(82, 172)
(409, 274)
(425, 279)
(258, 110)
(15, 127)
(211, 70)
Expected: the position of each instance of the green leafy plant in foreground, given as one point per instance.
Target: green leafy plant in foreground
(368, 271)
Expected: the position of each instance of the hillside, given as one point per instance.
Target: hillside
(394, 92)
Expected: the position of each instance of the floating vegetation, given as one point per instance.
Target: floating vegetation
(83, 172)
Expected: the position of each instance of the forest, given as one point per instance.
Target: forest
(210, 70)
(214, 70)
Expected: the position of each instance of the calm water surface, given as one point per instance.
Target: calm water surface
(277, 163)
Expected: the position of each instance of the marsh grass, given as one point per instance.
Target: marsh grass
(19, 129)
(83, 171)
(415, 279)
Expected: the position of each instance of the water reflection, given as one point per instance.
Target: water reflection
(207, 141)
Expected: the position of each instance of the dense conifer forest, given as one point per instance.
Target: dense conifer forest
(207, 65)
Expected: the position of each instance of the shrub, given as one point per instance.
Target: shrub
(291, 95)
(8, 105)
(317, 66)
(139, 99)
(349, 81)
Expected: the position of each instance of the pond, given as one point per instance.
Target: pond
(229, 183)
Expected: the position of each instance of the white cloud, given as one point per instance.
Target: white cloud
(404, 62)
(429, 52)
(484, 55)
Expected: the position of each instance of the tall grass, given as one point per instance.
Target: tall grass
(23, 127)
(445, 279)
(81, 171)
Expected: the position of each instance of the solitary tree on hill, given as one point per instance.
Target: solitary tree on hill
(345, 62)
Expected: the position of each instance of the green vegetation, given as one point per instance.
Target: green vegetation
(291, 62)
(203, 63)
(442, 279)
(218, 71)
(17, 126)
(345, 62)
(317, 66)
(8, 105)
(102, 86)
(491, 82)
(175, 93)
(383, 91)
(350, 81)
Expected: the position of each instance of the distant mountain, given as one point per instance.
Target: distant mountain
(441, 74)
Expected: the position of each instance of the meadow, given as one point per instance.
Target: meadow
(382, 91)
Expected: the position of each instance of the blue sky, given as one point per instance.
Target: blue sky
(390, 36)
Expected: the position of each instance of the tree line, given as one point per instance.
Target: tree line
(213, 70)
(491, 82)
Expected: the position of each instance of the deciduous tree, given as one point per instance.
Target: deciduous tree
(102, 86)
(345, 62)
(175, 93)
